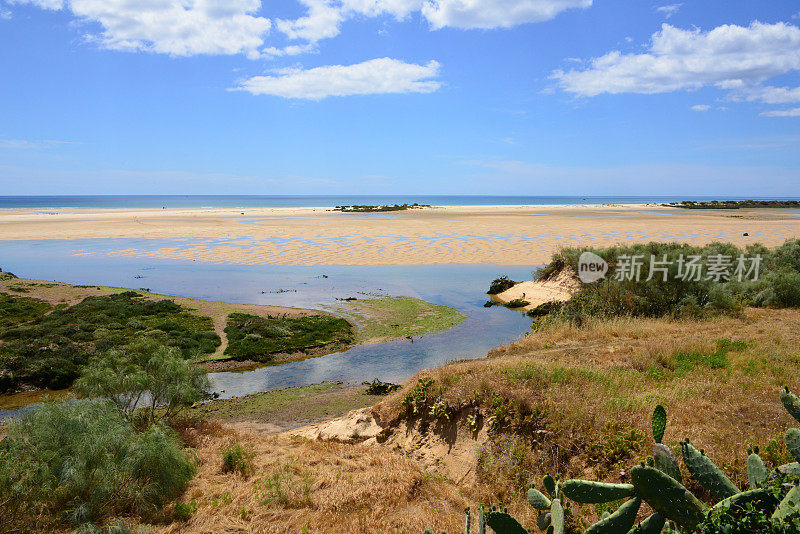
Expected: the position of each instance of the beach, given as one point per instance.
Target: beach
(510, 235)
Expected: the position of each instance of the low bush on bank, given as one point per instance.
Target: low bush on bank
(499, 285)
(48, 350)
(17, 310)
(251, 337)
(84, 463)
(667, 287)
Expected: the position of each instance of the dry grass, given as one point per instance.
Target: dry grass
(566, 401)
(304, 486)
(577, 402)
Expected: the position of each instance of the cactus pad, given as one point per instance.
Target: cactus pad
(502, 523)
(659, 423)
(791, 402)
(756, 470)
(665, 461)
(706, 473)
(793, 442)
(652, 525)
(667, 496)
(543, 521)
(788, 506)
(585, 491)
(550, 486)
(557, 517)
(754, 496)
(620, 522)
(538, 500)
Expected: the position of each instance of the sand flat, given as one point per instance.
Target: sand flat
(515, 235)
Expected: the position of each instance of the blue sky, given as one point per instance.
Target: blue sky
(529, 97)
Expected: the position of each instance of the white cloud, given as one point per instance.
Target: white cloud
(176, 27)
(669, 10)
(53, 5)
(729, 57)
(794, 112)
(324, 17)
(321, 22)
(770, 95)
(701, 107)
(376, 76)
(495, 13)
(5, 14)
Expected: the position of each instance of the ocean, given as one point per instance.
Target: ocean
(255, 201)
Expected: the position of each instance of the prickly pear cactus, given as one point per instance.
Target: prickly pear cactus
(543, 521)
(557, 516)
(538, 500)
(741, 500)
(587, 491)
(502, 523)
(791, 402)
(667, 496)
(756, 470)
(481, 521)
(706, 473)
(665, 461)
(467, 522)
(620, 522)
(550, 486)
(793, 442)
(659, 423)
(789, 505)
(654, 524)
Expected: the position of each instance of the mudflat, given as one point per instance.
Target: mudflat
(511, 235)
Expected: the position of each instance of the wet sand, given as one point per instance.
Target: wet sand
(512, 235)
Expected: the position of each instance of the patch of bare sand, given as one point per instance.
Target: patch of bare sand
(536, 292)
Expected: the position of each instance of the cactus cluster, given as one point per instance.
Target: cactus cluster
(658, 482)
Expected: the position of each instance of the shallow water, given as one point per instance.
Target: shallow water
(459, 286)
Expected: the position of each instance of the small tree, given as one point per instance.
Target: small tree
(144, 375)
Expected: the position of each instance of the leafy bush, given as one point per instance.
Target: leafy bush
(83, 462)
(499, 285)
(18, 310)
(144, 375)
(235, 459)
(49, 351)
(185, 511)
(251, 337)
(778, 283)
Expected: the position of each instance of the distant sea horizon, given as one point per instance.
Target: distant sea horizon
(292, 201)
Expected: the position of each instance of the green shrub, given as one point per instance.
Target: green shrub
(251, 337)
(185, 511)
(83, 462)
(144, 375)
(18, 310)
(778, 283)
(499, 285)
(235, 459)
(48, 351)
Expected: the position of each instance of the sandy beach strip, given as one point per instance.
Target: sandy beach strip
(514, 235)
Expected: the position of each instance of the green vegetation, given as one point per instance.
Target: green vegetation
(236, 459)
(82, 463)
(251, 337)
(6, 276)
(48, 350)
(393, 317)
(499, 285)
(388, 207)
(680, 295)
(771, 505)
(144, 376)
(285, 407)
(734, 204)
(18, 310)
